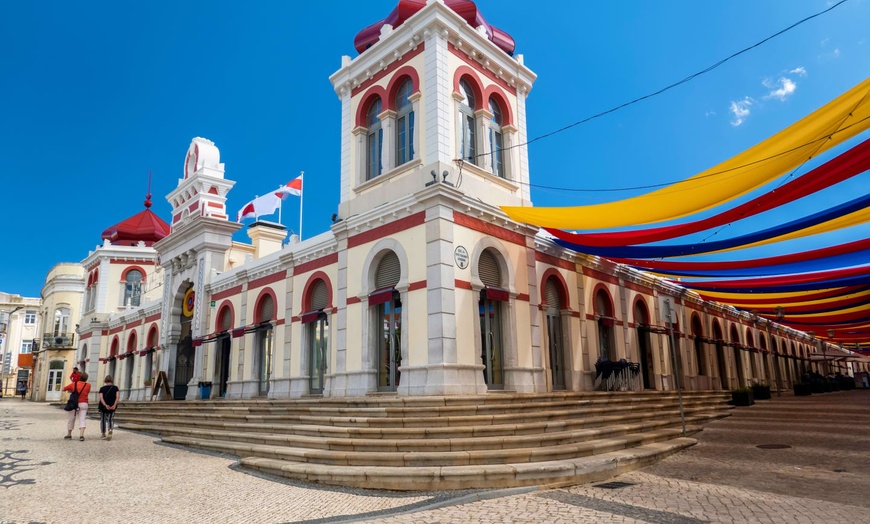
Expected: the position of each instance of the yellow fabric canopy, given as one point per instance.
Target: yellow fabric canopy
(843, 118)
(776, 299)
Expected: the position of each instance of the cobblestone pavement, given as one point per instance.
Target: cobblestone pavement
(725, 478)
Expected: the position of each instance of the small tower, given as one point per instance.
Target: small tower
(191, 255)
(435, 95)
(203, 190)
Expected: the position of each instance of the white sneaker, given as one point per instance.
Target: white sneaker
(109, 436)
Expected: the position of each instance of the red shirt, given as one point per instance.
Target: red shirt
(75, 376)
(83, 388)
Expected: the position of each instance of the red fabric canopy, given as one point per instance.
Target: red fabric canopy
(849, 164)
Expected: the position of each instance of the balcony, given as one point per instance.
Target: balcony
(59, 340)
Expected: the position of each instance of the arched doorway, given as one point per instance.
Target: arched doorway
(700, 352)
(316, 324)
(721, 363)
(128, 370)
(644, 344)
(777, 372)
(491, 313)
(387, 314)
(265, 313)
(738, 360)
(223, 344)
(113, 358)
(753, 364)
(553, 319)
(765, 359)
(604, 312)
(184, 354)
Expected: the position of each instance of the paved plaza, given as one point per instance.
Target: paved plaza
(820, 477)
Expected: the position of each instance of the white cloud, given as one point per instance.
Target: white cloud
(780, 90)
(800, 71)
(740, 110)
(709, 113)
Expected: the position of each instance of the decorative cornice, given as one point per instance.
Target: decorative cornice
(434, 19)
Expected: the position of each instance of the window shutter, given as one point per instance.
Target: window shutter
(389, 271)
(551, 293)
(226, 319)
(319, 296)
(487, 267)
(267, 309)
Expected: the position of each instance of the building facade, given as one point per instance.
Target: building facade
(422, 286)
(19, 326)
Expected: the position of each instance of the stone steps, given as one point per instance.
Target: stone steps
(434, 458)
(391, 442)
(576, 470)
(351, 418)
(401, 444)
(355, 419)
(144, 423)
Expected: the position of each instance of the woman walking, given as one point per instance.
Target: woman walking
(83, 389)
(109, 398)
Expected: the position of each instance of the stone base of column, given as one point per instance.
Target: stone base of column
(351, 384)
(525, 380)
(442, 379)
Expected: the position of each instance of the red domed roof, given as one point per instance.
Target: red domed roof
(407, 8)
(144, 226)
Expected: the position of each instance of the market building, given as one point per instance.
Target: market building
(422, 286)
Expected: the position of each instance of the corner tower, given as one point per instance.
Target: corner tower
(435, 89)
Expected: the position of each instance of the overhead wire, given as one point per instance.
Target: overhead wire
(668, 87)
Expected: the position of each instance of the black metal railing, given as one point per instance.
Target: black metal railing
(59, 340)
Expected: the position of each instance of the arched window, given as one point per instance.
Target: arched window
(133, 288)
(61, 321)
(496, 141)
(467, 134)
(374, 165)
(404, 123)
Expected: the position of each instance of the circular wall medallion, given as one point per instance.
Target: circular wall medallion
(460, 255)
(187, 304)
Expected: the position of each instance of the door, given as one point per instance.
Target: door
(557, 365)
(722, 365)
(223, 364)
(55, 383)
(389, 318)
(264, 359)
(491, 340)
(317, 344)
(183, 368)
(644, 350)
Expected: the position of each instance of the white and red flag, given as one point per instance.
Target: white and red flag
(271, 202)
(264, 205)
(294, 187)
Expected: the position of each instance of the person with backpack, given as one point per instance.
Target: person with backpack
(81, 389)
(109, 398)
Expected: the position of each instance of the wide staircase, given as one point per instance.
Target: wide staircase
(435, 443)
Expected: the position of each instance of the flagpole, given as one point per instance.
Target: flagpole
(301, 196)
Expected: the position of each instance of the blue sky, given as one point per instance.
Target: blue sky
(98, 94)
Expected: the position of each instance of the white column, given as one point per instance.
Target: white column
(415, 139)
(388, 144)
(359, 174)
(482, 118)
